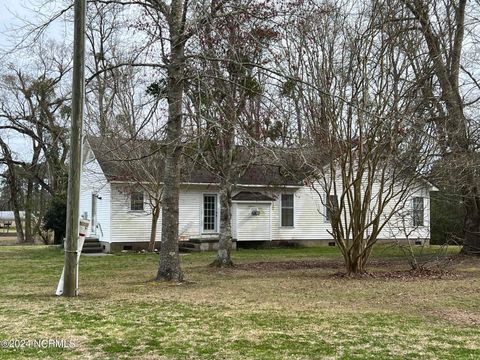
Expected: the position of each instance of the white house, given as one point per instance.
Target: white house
(267, 207)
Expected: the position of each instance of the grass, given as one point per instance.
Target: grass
(237, 314)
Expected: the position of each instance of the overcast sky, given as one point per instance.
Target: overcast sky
(13, 14)
(8, 9)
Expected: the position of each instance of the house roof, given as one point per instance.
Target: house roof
(251, 196)
(144, 160)
(10, 216)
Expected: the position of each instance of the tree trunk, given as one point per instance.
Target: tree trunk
(355, 265)
(15, 190)
(29, 202)
(57, 238)
(223, 258)
(19, 226)
(153, 228)
(471, 245)
(169, 268)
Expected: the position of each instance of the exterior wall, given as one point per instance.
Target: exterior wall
(93, 181)
(401, 224)
(118, 224)
(250, 227)
(130, 225)
(134, 226)
(309, 221)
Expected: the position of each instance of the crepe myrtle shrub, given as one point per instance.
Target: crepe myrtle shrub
(56, 218)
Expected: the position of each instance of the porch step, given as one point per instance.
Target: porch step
(205, 244)
(188, 246)
(92, 245)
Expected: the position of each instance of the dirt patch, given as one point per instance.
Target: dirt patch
(403, 275)
(388, 265)
(309, 264)
(458, 316)
(288, 265)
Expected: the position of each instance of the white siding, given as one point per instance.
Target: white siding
(128, 225)
(309, 214)
(253, 227)
(191, 211)
(401, 224)
(93, 181)
(131, 226)
(309, 221)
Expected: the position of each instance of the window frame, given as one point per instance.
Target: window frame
(137, 201)
(282, 207)
(418, 221)
(215, 215)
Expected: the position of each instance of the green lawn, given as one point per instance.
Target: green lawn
(251, 312)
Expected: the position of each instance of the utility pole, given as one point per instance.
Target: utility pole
(74, 171)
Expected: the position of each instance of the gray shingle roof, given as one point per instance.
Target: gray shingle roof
(143, 159)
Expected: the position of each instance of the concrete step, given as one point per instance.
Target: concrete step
(91, 251)
(92, 245)
(187, 246)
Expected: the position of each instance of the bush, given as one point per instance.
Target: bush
(56, 218)
(447, 216)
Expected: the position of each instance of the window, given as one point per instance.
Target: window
(136, 201)
(418, 211)
(331, 207)
(210, 212)
(287, 210)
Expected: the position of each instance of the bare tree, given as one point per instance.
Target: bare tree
(224, 88)
(103, 42)
(365, 153)
(12, 181)
(442, 27)
(34, 106)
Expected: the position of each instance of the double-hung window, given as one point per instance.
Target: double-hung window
(418, 211)
(331, 207)
(210, 212)
(136, 201)
(287, 203)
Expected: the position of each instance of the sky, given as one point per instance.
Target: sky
(8, 20)
(14, 13)
(9, 9)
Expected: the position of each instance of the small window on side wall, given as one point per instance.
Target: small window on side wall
(136, 201)
(418, 211)
(287, 210)
(331, 207)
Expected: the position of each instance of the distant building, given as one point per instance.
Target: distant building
(7, 218)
